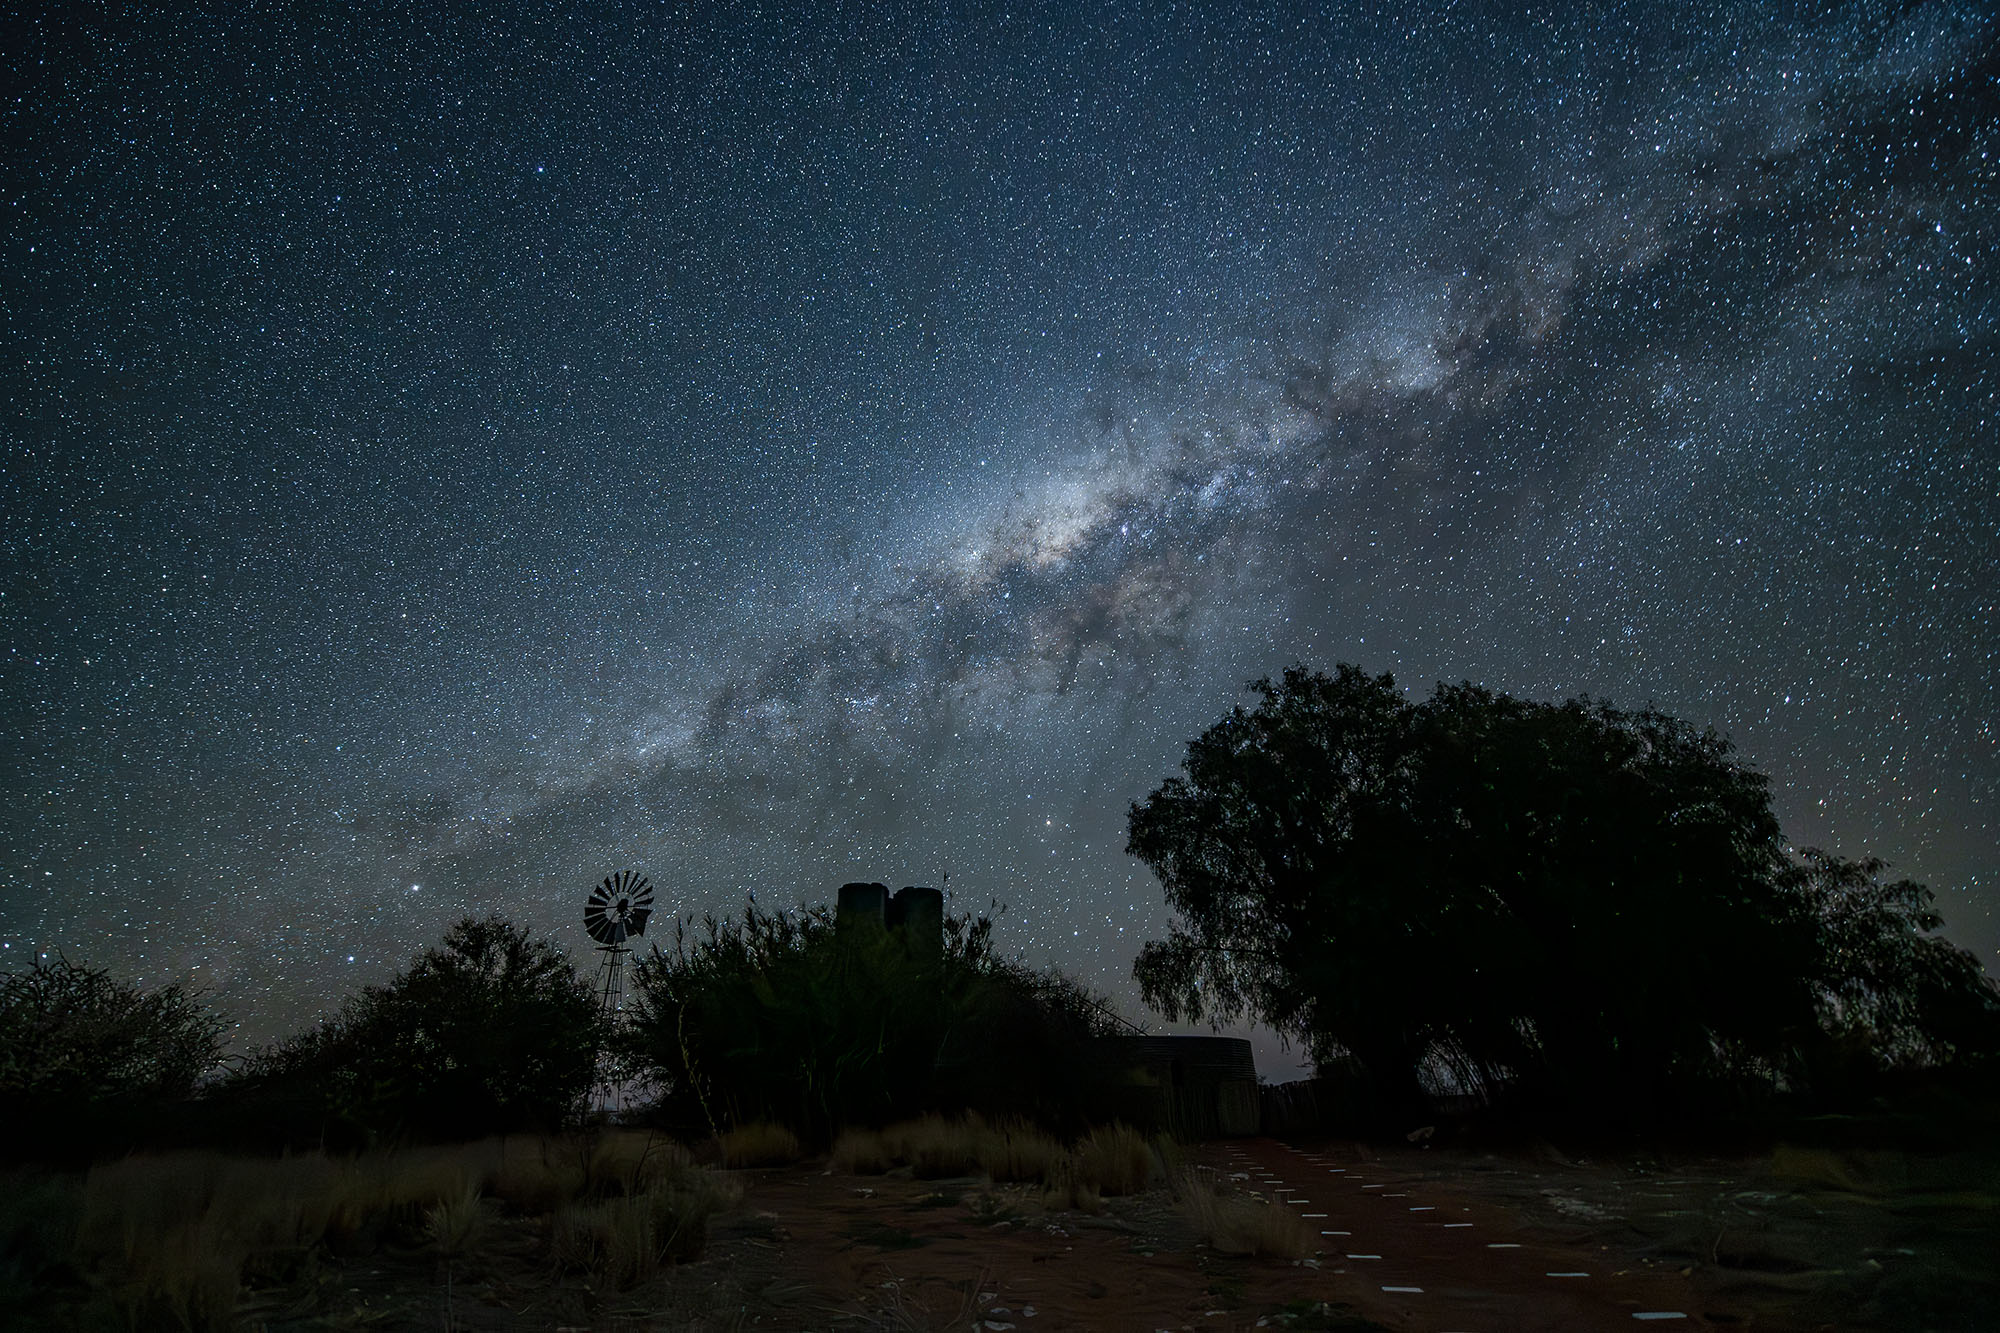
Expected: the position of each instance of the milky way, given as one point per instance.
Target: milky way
(450, 459)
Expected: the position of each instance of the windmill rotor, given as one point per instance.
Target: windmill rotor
(617, 909)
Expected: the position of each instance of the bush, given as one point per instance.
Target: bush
(89, 1064)
(491, 1032)
(778, 1017)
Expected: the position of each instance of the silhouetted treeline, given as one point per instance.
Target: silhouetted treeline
(1544, 912)
(775, 1016)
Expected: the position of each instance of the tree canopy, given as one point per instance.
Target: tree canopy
(1567, 901)
(488, 1032)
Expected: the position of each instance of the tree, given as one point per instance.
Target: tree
(489, 1032)
(84, 1055)
(1566, 902)
(1893, 995)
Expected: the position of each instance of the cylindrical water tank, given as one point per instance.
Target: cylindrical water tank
(862, 907)
(919, 914)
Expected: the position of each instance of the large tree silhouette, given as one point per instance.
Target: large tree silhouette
(1571, 902)
(487, 1032)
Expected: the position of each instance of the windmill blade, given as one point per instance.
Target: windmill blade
(641, 905)
(603, 927)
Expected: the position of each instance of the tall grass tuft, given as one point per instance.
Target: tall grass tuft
(455, 1227)
(1017, 1151)
(631, 1161)
(189, 1277)
(625, 1239)
(936, 1147)
(1064, 1188)
(1238, 1224)
(538, 1176)
(759, 1144)
(861, 1152)
(393, 1191)
(1115, 1159)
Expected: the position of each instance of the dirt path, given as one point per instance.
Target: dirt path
(1410, 1252)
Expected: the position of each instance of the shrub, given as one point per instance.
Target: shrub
(490, 1032)
(89, 1063)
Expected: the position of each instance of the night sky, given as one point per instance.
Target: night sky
(450, 457)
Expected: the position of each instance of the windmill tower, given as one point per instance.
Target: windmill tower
(615, 912)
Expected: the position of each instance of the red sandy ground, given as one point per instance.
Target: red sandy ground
(897, 1252)
(808, 1248)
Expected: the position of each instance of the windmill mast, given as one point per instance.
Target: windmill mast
(615, 912)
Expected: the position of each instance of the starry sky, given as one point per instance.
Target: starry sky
(450, 455)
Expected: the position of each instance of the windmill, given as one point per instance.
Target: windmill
(615, 912)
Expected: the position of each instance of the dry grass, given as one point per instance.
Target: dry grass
(895, 1311)
(1238, 1224)
(1065, 1189)
(631, 1161)
(455, 1227)
(625, 1240)
(188, 1276)
(537, 1176)
(861, 1152)
(935, 1148)
(40, 1214)
(166, 1237)
(394, 1191)
(1016, 1151)
(1114, 1160)
(759, 1144)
